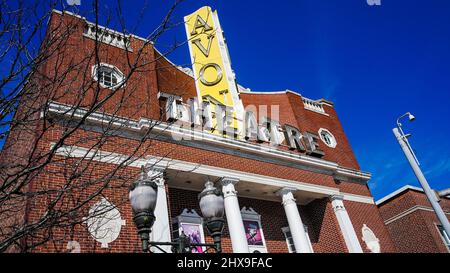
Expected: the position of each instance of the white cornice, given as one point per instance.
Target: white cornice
(242, 146)
(358, 198)
(271, 92)
(320, 101)
(409, 211)
(184, 166)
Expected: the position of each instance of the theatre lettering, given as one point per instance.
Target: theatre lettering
(183, 133)
(269, 131)
(218, 108)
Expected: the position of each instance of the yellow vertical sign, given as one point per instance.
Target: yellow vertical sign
(210, 61)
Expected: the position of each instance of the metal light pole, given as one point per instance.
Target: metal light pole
(406, 147)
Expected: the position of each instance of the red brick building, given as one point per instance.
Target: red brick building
(305, 194)
(412, 222)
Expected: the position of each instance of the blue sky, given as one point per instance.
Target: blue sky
(374, 62)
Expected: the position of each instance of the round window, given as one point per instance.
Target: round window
(107, 75)
(327, 138)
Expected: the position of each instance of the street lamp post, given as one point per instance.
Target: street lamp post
(142, 197)
(409, 153)
(212, 207)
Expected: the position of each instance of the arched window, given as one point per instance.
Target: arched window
(327, 137)
(107, 75)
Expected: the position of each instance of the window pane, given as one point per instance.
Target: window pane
(290, 241)
(107, 76)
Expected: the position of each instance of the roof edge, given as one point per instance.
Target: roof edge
(243, 90)
(321, 101)
(397, 192)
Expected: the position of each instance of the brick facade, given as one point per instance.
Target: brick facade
(412, 223)
(139, 100)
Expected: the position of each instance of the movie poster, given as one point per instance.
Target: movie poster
(193, 232)
(253, 233)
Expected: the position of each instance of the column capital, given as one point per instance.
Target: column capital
(337, 202)
(229, 180)
(336, 197)
(285, 190)
(228, 186)
(287, 195)
(156, 173)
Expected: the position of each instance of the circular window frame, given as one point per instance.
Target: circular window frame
(333, 139)
(120, 76)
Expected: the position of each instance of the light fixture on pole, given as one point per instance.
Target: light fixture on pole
(143, 193)
(143, 196)
(402, 139)
(212, 207)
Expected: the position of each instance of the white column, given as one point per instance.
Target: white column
(347, 230)
(301, 242)
(233, 214)
(161, 228)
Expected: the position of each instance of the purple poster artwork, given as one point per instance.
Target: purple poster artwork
(253, 233)
(194, 234)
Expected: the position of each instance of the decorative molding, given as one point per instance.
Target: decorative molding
(358, 198)
(409, 211)
(333, 139)
(119, 75)
(286, 190)
(314, 106)
(372, 242)
(104, 222)
(336, 202)
(229, 180)
(326, 102)
(228, 186)
(287, 195)
(114, 158)
(250, 92)
(338, 197)
(189, 216)
(238, 146)
(250, 214)
(269, 92)
(156, 173)
(107, 36)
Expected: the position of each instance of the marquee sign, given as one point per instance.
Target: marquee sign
(218, 108)
(215, 80)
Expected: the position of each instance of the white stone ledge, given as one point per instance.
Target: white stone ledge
(143, 124)
(184, 166)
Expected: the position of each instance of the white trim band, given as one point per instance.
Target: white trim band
(243, 146)
(115, 158)
(409, 211)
